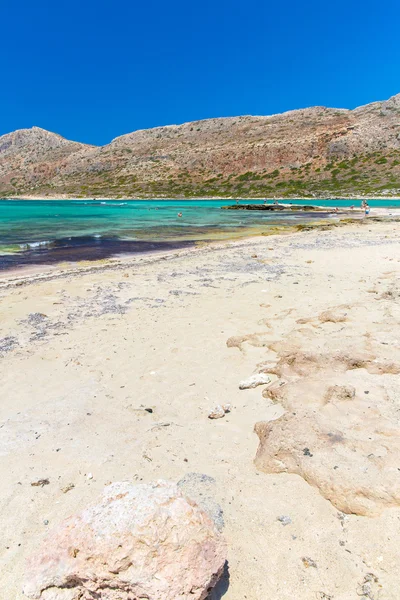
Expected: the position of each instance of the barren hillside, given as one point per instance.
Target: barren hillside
(310, 152)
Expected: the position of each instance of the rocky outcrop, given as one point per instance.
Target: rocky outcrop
(337, 383)
(140, 541)
(357, 473)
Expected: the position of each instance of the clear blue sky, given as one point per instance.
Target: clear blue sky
(93, 70)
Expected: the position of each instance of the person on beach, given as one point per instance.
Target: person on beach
(366, 209)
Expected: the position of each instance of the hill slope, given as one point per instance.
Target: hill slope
(309, 152)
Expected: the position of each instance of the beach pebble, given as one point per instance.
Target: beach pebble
(309, 562)
(68, 488)
(139, 541)
(254, 381)
(40, 483)
(285, 520)
(89, 476)
(219, 411)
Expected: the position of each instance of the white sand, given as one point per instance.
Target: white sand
(153, 333)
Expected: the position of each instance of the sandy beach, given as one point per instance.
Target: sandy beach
(84, 352)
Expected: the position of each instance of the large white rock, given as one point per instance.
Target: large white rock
(141, 541)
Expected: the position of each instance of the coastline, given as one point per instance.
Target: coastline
(64, 269)
(45, 232)
(177, 333)
(183, 199)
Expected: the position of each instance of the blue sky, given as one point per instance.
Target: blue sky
(93, 70)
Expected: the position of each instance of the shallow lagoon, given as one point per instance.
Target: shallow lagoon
(48, 231)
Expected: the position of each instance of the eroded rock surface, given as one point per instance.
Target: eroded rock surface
(201, 489)
(356, 470)
(341, 430)
(140, 541)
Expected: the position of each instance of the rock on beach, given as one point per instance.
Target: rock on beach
(254, 381)
(140, 541)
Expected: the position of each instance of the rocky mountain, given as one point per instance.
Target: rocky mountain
(301, 153)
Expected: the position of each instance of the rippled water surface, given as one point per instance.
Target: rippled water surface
(49, 231)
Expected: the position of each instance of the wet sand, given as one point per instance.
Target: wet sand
(42, 238)
(84, 249)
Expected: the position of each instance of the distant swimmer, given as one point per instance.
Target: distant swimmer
(179, 214)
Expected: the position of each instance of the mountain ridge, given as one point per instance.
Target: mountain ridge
(306, 152)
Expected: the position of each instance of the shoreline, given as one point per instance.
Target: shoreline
(109, 244)
(88, 246)
(40, 272)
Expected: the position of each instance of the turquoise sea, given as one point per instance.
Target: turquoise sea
(49, 231)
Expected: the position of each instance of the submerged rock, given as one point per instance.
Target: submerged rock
(276, 207)
(140, 541)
